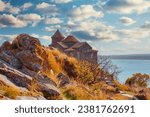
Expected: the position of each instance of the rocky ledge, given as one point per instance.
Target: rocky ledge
(21, 65)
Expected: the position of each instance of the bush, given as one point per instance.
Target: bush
(138, 80)
(85, 74)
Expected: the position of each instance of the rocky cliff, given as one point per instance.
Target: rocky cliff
(22, 63)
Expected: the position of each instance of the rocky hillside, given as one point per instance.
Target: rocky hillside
(22, 63)
(29, 70)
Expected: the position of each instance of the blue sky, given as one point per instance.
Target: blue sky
(110, 26)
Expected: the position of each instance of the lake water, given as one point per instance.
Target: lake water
(129, 67)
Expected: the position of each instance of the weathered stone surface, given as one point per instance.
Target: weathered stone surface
(15, 76)
(30, 60)
(49, 90)
(38, 76)
(63, 79)
(8, 57)
(24, 41)
(45, 84)
(22, 51)
(7, 82)
(5, 46)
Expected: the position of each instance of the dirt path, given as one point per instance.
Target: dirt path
(128, 95)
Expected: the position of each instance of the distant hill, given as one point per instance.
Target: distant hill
(133, 56)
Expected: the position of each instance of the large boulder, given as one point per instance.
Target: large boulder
(8, 57)
(26, 52)
(30, 60)
(18, 78)
(49, 90)
(63, 79)
(24, 41)
(22, 51)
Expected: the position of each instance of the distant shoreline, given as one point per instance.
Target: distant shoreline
(130, 57)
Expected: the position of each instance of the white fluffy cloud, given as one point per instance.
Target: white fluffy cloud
(11, 21)
(7, 37)
(19, 21)
(2, 4)
(7, 7)
(31, 18)
(45, 37)
(134, 35)
(92, 29)
(42, 5)
(2, 36)
(146, 26)
(47, 8)
(26, 6)
(127, 20)
(14, 10)
(84, 12)
(52, 28)
(62, 1)
(127, 6)
(53, 21)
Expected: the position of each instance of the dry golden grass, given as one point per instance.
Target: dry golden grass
(55, 66)
(84, 74)
(148, 96)
(61, 55)
(9, 91)
(73, 60)
(49, 59)
(82, 92)
(34, 86)
(76, 93)
(122, 87)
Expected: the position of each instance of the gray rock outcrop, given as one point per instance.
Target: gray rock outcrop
(63, 79)
(21, 64)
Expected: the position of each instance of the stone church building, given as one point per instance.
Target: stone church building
(73, 47)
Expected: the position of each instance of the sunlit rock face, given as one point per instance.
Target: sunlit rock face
(21, 63)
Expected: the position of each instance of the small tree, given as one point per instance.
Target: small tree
(138, 80)
(108, 69)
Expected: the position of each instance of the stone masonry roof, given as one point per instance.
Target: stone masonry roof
(58, 35)
(70, 38)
